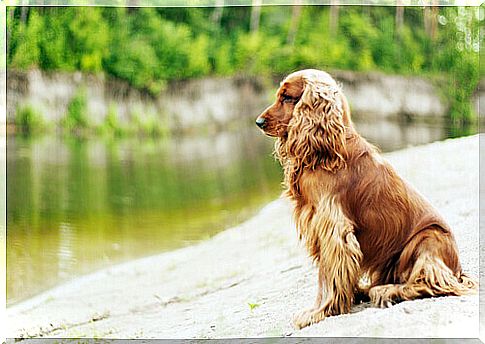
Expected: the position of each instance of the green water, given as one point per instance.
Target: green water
(74, 206)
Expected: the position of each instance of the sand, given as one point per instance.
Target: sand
(248, 281)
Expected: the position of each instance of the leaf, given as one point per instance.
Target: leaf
(253, 305)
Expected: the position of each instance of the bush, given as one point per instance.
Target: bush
(76, 118)
(111, 123)
(24, 43)
(255, 53)
(28, 120)
(149, 125)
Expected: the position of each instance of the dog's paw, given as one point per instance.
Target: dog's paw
(307, 318)
(384, 296)
(303, 319)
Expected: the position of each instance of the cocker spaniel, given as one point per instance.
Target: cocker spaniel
(356, 216)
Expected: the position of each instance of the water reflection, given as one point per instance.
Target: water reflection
(65, 256)
(74, 206)
(77, 205)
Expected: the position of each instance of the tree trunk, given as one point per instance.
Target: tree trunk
(23, 13)
(399, 18)
(9, 32)
(217, 14)
(430, 20)
(295, 19)
(132, 4)
(255, 15)
(334, 14)
(434, 20)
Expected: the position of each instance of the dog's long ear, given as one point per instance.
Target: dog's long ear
(316, 132)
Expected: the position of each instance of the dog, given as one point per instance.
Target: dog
(356, 216)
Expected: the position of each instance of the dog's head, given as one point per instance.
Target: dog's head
(309, 117)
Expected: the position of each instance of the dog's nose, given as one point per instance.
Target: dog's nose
(260, 122)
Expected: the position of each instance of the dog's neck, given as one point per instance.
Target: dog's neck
(294, 167)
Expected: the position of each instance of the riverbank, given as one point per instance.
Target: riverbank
(248, 281)
(42, 101)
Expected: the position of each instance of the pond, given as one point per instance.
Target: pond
(74, 206)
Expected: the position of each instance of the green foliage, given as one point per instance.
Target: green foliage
(76, 118)
(28, 120)
(90, 32)
(361, 33)
(198, 63)
(460, 59)
(136, 61)
(223, 64)
(25, 42)
(112, 125)
(54, 43)
(252, 306)
(149, 47)
(255, 53)
(149, 125)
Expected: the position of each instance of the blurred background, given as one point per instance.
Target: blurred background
(130, 130)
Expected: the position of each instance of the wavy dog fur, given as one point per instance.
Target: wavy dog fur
(356, 215)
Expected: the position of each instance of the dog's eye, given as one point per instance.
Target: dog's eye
(287, 99)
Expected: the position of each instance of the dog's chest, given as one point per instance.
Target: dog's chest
(321, 218)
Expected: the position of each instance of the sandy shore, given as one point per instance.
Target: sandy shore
(248, 281)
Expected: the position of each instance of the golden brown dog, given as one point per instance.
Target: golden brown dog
(355, 214)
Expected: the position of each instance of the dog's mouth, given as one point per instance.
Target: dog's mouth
(274, 131)
(270, 134)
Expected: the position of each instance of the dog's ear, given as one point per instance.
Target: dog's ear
(316, 132)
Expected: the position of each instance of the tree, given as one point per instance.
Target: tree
(430, 20)
(334, 14)
(399, 17)
(217, 14)
(255, 15)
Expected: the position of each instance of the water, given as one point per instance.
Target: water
(74, 206)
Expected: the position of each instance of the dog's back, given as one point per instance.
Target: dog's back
(387, 213)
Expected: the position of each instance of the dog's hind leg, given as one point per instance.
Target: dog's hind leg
(428, 267)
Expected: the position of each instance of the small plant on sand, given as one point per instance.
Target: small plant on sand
(252, 306)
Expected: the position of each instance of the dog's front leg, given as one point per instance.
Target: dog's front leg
(339, 269)
(321, 278)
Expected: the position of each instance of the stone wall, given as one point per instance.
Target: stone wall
(216, 101)
(375, 94)
(183, 104)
